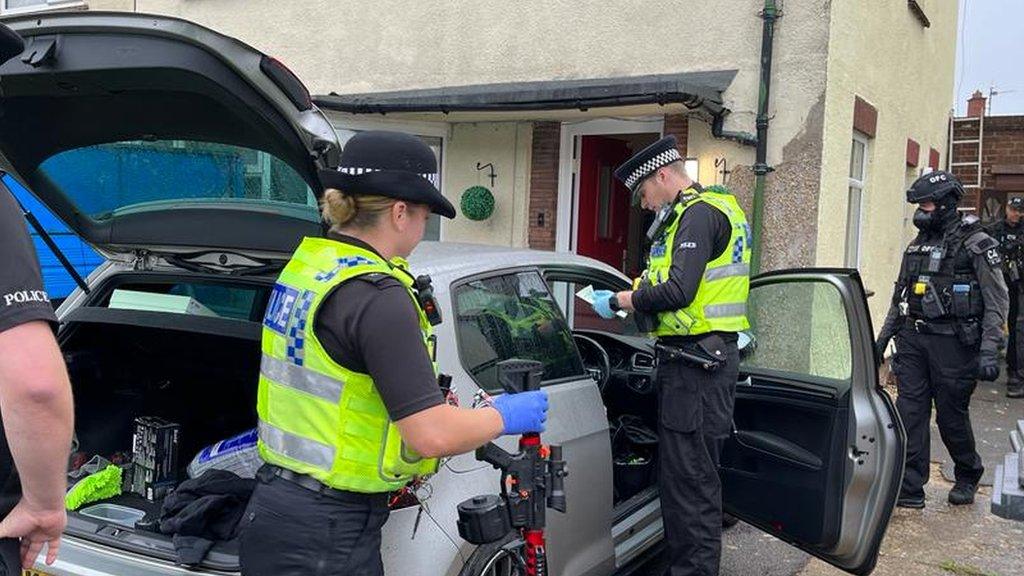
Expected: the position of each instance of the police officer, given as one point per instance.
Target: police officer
(1010, 235)
(947, 315)
(349, 404)
(35, 395)
(692, 297)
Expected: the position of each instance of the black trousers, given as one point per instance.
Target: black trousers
(695, 419)
(290, 530)
(1013, 353)
(10, 557)
(939, 369)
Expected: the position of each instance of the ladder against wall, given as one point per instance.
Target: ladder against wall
(966, 141)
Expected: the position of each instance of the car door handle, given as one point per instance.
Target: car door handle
(748, 382)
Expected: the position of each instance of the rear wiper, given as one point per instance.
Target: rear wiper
(219, 263)
(38, 227)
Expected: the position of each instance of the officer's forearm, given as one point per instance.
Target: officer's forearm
(445, 430)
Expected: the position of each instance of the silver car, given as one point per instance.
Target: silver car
(188, 160)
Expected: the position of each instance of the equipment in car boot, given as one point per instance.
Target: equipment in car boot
(95, 487)
(237, 454)
(203, 511)
(532, 480)
(154, 457)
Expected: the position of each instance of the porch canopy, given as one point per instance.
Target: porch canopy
(554, 99)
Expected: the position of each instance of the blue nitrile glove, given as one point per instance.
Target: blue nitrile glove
(523, 412)
(601, 305)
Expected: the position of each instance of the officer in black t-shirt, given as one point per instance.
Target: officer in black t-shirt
(35, 397)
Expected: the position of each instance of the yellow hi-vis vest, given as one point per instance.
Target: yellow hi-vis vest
(317, 417)
(721, 300)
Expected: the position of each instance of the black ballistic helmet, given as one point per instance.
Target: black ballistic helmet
(939, 187)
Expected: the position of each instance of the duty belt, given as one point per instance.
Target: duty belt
(314, 485)
(691, 355)
(935, 328)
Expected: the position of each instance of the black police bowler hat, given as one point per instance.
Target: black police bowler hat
(391, 164)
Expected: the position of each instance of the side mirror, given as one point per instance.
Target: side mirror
(11, 44)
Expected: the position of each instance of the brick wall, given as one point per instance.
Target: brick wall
(543, 211)
(1002, 145)
(678, 125)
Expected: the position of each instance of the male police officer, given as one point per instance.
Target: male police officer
(1010, 234)
(694, 291)
(947, 315)
(35, 395)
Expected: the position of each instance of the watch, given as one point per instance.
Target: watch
(613, 303)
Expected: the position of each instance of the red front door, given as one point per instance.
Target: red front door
(604, 202)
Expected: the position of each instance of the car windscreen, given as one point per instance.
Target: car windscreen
(512, 316)
(107, 179)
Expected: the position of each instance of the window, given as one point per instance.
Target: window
(105, 179)
(799, 328)
(31, 5)
(238, 301)
(433, 231)
(858, 172)
(604, 202)
(512, 316)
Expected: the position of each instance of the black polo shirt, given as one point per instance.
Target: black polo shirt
(22, 299)
(370, 325)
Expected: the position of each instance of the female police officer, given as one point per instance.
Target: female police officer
(349, 405)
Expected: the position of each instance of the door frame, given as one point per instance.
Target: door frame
(568, 166)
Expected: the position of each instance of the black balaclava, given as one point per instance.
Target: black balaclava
(939, 219)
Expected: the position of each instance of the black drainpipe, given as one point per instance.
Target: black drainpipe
(770, 14)
(761, 167)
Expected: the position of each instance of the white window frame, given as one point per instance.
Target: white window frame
(43, 6)
(851, 257)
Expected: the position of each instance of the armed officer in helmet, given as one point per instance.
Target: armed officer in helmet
(1010, 235)
(693, 297)
(947, 315)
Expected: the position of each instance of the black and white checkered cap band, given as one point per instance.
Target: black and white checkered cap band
(661, 159)
(355, 171)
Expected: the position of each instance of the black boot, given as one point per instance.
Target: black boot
(913, 502)
(962, 493)
(1015, 388)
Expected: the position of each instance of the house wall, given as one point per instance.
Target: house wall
(880, 52)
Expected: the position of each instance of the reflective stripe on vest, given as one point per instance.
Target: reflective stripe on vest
(720, 302)
(317, 417)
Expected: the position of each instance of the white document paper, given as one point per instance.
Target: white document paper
(587, 295)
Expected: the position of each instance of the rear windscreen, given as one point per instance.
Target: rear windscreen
(106, 179)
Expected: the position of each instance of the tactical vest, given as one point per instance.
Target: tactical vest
(721, 300)
(938, 279)
(317, 417)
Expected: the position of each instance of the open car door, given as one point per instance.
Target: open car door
(816, 455)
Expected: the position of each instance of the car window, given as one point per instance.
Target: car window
(800, 328)
(581, 314)
(241, 302)
(512, 316)
(136, 175)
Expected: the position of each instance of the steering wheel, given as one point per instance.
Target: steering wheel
(589, 348)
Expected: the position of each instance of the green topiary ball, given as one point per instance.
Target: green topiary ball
(477, 203)
(718, 188)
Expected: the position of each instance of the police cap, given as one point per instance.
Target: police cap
(935, 187)
(647, 161)
(1017, 203)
